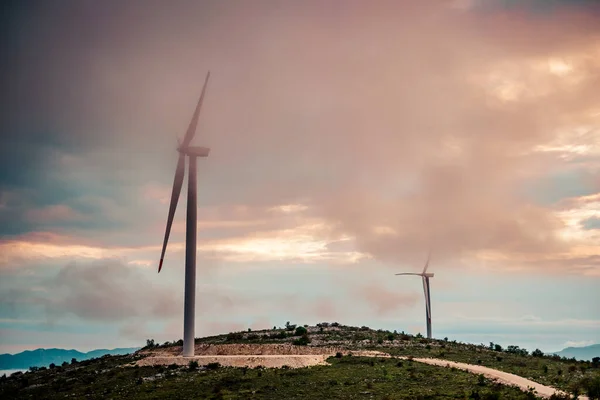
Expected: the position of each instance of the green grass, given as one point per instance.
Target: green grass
(346, 378)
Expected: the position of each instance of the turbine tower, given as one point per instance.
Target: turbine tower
(192, 153)
(425, 275)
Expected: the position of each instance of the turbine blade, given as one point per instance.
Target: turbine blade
(427, 263)
(189, 135)
(410, 273)
(177, 183)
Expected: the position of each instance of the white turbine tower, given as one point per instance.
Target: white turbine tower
(425, 275)
(192, 153)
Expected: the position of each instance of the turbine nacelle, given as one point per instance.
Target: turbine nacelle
(194, 151)
(427, 275)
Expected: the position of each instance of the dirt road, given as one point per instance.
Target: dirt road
(502, 377)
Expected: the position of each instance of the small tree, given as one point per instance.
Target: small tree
(52, 366)
(73, 361)
(537, 353)
(596, 362)
(300, 331)
(149, 343)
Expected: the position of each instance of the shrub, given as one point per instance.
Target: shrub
(592, 387)
(213, 365)
(498, 358)
(572, 368)
(537, 353)
(481, 380)
(290, 327)
(302, 341)
(338, 355)
(233, 336)
(300, 331)
(52, 366)
(149, 343)
(193, 365)
(73, 361)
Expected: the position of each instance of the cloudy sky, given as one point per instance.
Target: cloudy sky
(348, 139)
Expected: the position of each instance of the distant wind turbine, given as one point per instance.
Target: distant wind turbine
(192, 153)
(425, 277)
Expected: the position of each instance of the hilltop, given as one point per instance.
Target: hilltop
(357, 369)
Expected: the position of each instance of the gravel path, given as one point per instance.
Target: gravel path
(501, 376)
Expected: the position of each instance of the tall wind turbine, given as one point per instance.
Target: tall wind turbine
(425, 275)
(192, 152)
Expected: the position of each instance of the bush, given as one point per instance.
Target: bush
(290, 327)
(338, 355)
(213, 366)
(537, 353)
(481, 380)
(591, 386)
(300, 331)
(193, 365)
(149, 343)
(234, 336)
(302, 341)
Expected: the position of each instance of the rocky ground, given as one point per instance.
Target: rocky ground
(247, 355)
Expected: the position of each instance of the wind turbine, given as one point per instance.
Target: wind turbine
(425, 275)
(192, 152)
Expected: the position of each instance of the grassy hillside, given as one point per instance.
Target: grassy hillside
(348, 377)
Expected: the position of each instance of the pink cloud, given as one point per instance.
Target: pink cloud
(53, 214)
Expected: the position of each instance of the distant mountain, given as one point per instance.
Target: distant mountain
(581, 353)
(45, 357)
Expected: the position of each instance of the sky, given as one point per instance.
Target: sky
(348, 139)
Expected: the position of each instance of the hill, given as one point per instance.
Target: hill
(45, 357)
(581, 353)
(349, 373)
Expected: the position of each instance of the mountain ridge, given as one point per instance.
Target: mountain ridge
(43, 357)
(581, 353)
